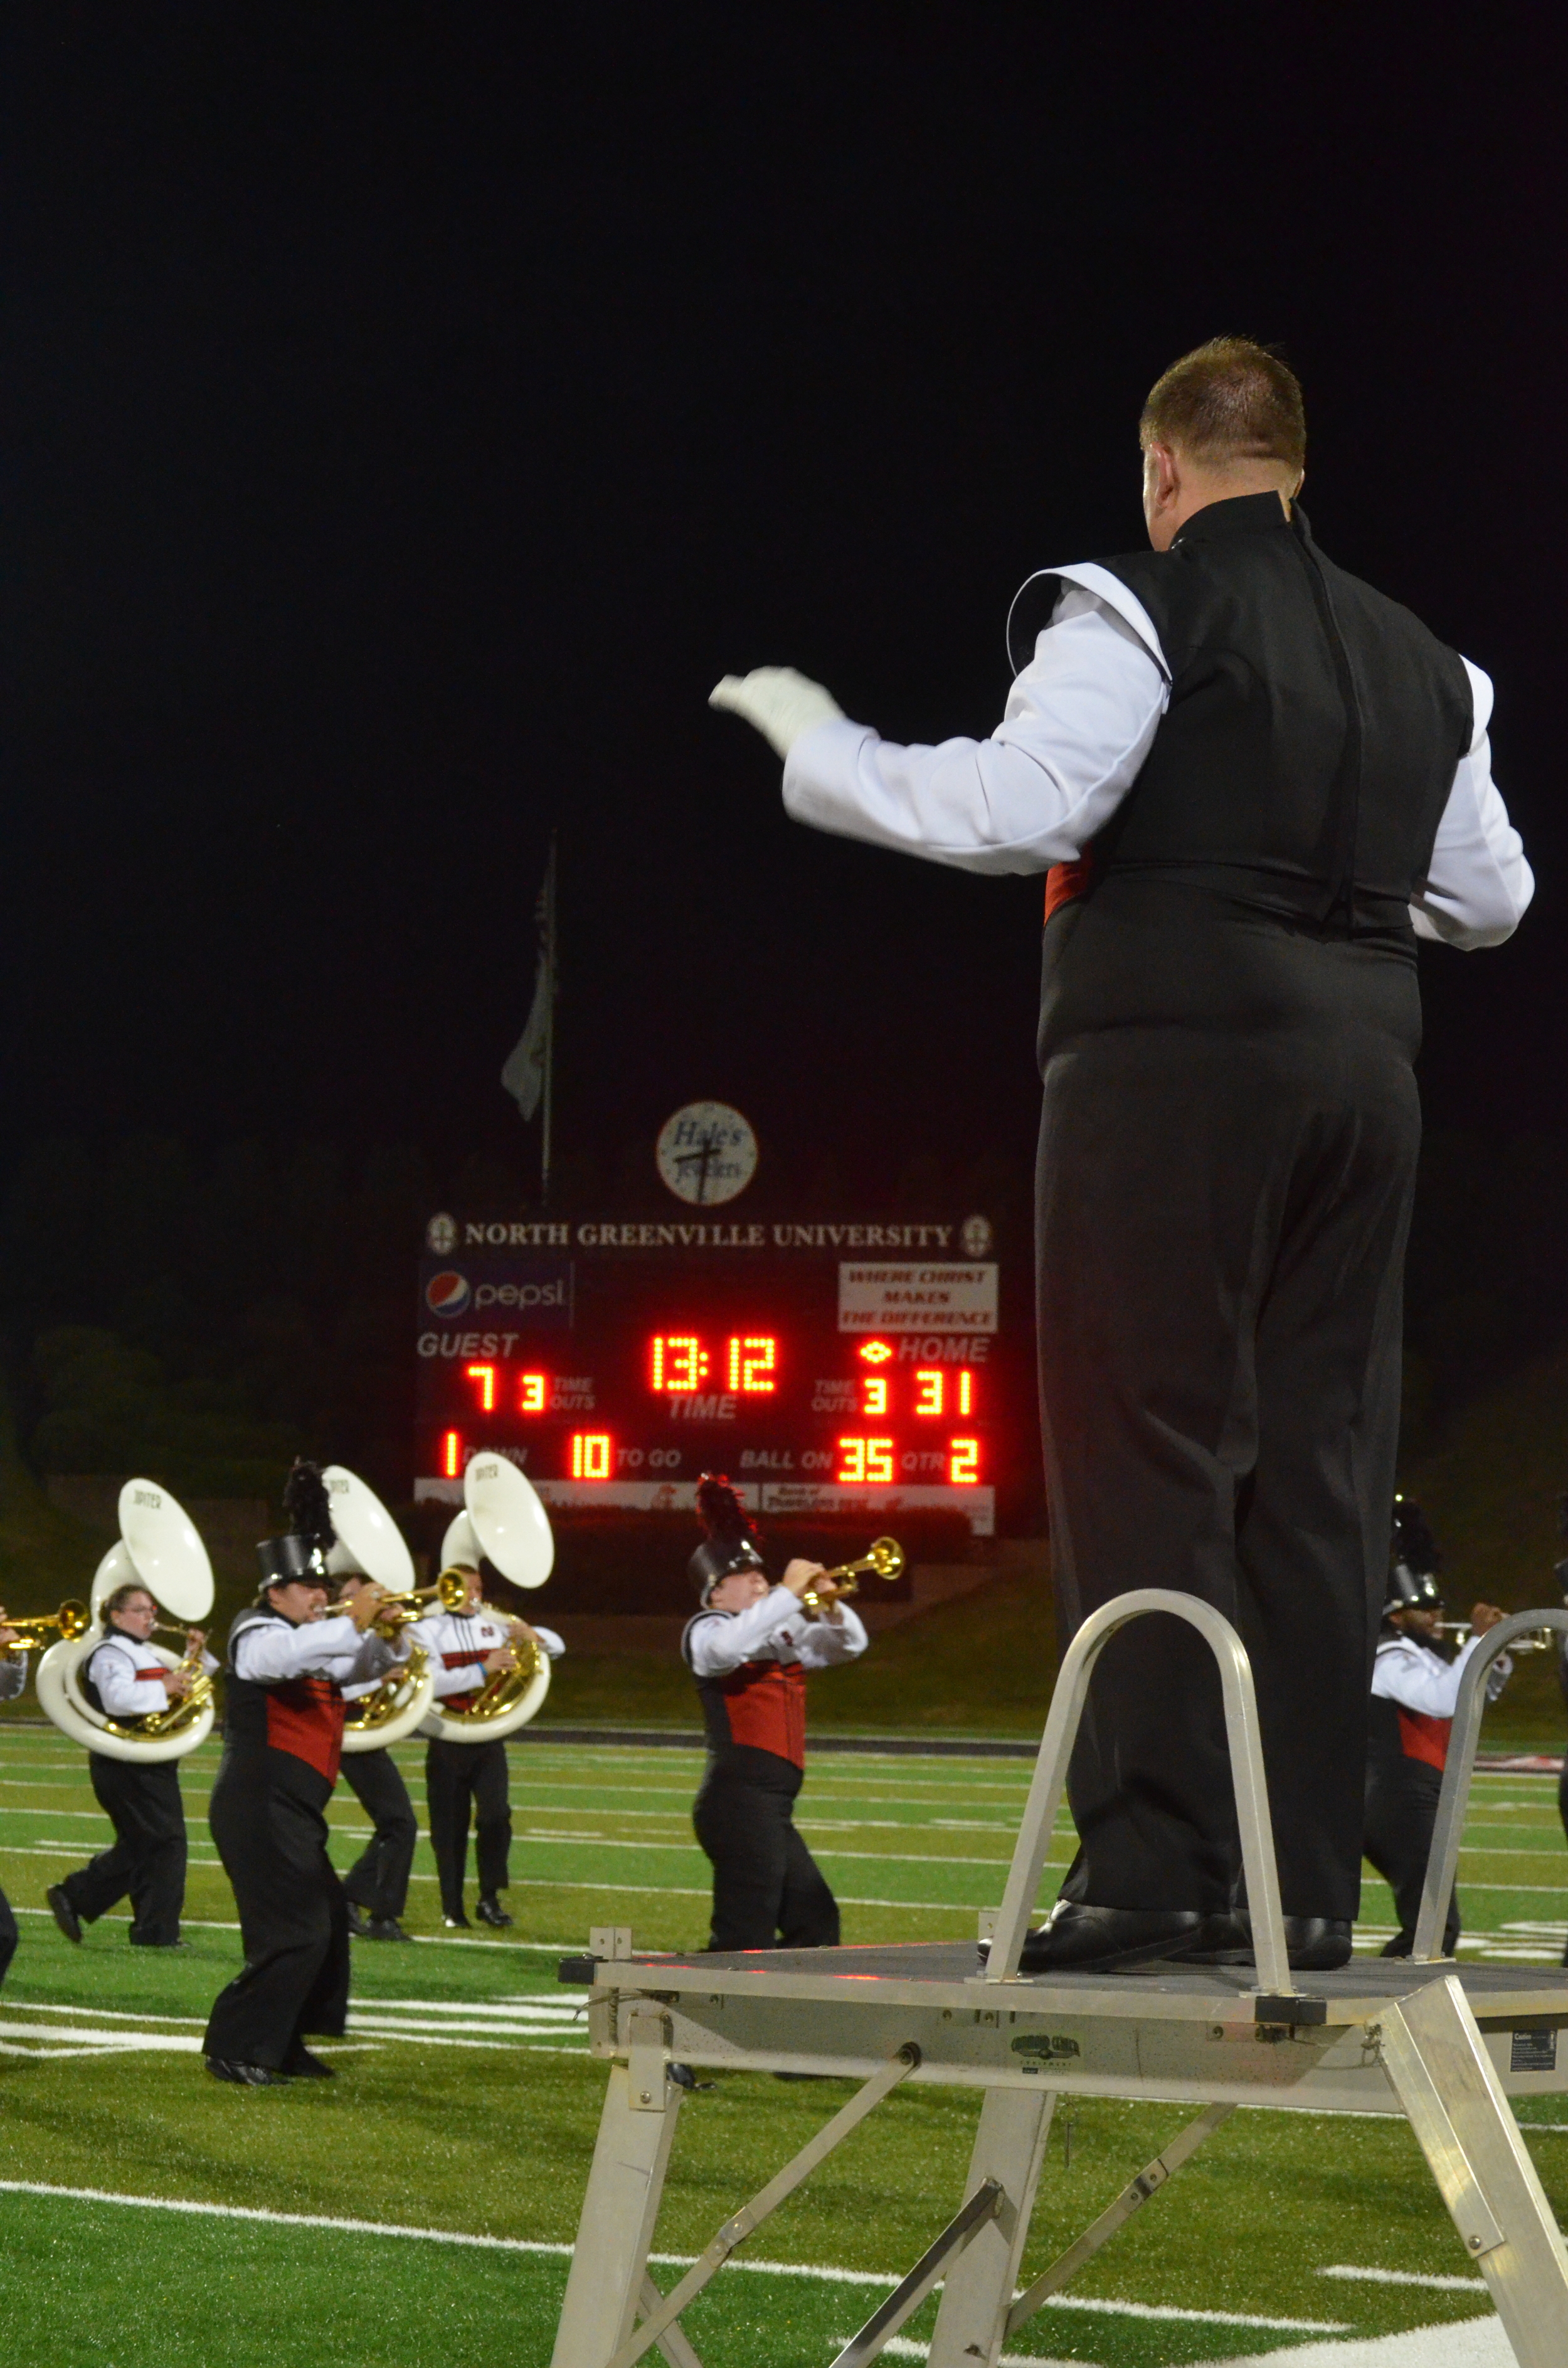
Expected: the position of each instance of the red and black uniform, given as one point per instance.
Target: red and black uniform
(750, 1669)
(283, 1735)
(1414, 1692)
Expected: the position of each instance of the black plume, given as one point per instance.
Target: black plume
(1413, 1544)
(722, 1513)
(308, 1505)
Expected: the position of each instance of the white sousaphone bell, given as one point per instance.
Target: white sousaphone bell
(503, 1521)
(368, 1540)
(161, 1550)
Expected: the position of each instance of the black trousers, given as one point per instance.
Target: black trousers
(768, 1891)
(377, 1880)
(142, 1803)
(1221, 1222)
(8, 1936)
(268, 1823)
(1401, 1810)
(457, 1774)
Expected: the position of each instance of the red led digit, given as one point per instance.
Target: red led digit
(875, 1352)
(484, 1375)
(966, 1391)
(876, 1388)
(533, 1393)
(451, 1455)
(592, 1455)
(679, 1361)
(963, 1462)
(878, 1460)
(752, 1360)
(853, 1467)
(930, 1390)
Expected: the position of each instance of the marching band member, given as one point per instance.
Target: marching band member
(282, 1738)
(749, 1649)
(1414, 1693)
(466, 1647)
(125, 1677)
(1253, 783)
(13, 1678)
(376, 1885)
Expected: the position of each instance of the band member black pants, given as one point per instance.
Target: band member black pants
(768, 1891)
(142, 1803)
(1401, 1810)
(378, 1880)
(268, 1821)
(455, 1775)
(8, 1936)
(1222, 1221)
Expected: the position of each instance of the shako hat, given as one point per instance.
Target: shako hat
(1413, 1562)
(729, 1543)
(303, 1553)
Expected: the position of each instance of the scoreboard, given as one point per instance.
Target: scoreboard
(825, 1367)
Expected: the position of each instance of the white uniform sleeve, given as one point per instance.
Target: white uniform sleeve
(823, 1643)
(122, 1692)
(273, 1651)
(1418, 1681)
(726, 1639)
(549, 1641)
(1478, 884)
(1080, 721)
(13, 1675)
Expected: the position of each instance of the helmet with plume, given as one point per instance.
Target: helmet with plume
(303, 1553)
(729, 1541)
(1413, 1562)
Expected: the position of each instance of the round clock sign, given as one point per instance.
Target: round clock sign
(707, 1153)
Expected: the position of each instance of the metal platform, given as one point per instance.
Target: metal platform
(1445, 2045)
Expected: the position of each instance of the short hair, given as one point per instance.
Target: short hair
(123, 1595)
(1227, 401)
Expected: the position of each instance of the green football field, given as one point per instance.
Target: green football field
(420, 2207)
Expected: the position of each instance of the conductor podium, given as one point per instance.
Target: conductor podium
(1445, 2046)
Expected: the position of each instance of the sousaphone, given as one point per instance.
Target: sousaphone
(160, 1549)
(504, 1522)
(369, 1540)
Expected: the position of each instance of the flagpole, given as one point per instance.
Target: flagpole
(549, 1027)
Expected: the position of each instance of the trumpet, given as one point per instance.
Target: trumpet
(1534, 1640)
(885, 1559)
(450, 1592)
(72, 1619)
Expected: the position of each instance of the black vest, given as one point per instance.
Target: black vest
(1295, 783)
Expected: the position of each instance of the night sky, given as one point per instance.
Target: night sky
(409, 413)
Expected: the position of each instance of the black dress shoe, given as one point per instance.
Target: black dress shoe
(1313, 1944)
(458, 1923)
(489, 1911)
(64, 1915)
(1076, 1939)
(245, 2076)
(300, 2065)
(385, 1927)
(359, 1925)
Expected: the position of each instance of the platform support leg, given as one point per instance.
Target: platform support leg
(1009, 2148)
(1442, 2074)
(609, 2262)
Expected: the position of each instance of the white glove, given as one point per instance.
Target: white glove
(779, 701)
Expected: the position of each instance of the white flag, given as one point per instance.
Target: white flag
(523, 1076)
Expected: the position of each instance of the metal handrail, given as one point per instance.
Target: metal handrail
(1443, 1858)
(1049, 1783)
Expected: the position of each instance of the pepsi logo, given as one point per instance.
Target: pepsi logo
(447, 1293)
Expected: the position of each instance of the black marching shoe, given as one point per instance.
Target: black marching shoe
(1313, 1944)
(300, 2065)
(489, 1911)
(458, 1923)
(64, 1915)
(1075, 1938)
(361, 1926)
(385, 1927)
(245, 2076)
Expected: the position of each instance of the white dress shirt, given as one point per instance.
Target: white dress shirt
(129, 1675)
(773, 1629)
(458, 1643)
(1419, 1680)
(270, 1652)
(1079, 723)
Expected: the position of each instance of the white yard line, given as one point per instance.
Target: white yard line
(1406, 2278)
